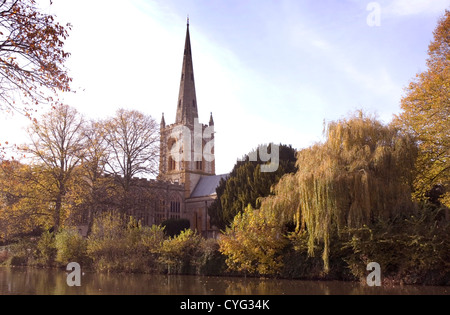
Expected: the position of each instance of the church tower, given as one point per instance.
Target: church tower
(187, 147)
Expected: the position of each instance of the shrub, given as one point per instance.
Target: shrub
(22, 253)
(119, 247)
(106, 244)
(211, 261)
(70, 247)
(181, 253)
(46, 249)
(411, 250)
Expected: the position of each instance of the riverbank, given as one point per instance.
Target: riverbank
(297, 267)
(413, 251)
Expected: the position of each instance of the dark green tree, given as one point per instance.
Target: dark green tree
(247, 184)
(174, 227)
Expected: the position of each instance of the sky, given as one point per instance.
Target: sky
(269, 71)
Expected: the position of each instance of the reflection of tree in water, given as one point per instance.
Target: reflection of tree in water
(53, 281)
(253, 287)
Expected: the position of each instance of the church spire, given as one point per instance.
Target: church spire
(187, 99)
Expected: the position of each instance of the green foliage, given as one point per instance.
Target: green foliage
(414, 249)
(70, 247)
(246, 185)
(212, 261)
(174, 227)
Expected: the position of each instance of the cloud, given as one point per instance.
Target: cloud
(400, 8)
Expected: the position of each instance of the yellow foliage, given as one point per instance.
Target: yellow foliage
(426, 115)
(362, 173)
(253, 243)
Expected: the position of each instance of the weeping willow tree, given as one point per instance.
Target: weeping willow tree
(361, 174)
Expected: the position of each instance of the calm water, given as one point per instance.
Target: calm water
(53, 282)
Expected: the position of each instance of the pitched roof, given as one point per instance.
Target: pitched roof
(207, 186)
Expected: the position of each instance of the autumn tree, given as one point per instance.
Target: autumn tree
(426, 115)
(254, 242)
(94, 191)
(58, 146)
(21, 207)
(361, 174)
(132, 141)
(32, 56)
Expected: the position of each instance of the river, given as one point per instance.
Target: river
(29, 281)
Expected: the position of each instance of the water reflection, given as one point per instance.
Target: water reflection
(53, 282)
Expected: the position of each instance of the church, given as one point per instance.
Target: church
(187, 180)
(186, 184)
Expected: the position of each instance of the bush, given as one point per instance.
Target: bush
(106, 244)
(181, 253)
(70, 247)
(46, 249)
(411, 250)
(211, 261)
(119, 247)
(22, 253)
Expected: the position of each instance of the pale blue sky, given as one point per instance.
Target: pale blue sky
(270, 71)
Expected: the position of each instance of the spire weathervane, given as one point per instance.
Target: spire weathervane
(188, 20)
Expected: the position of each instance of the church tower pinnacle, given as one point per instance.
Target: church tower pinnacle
(187, 100)
(187, 146)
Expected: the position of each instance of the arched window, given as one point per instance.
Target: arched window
(172, 165)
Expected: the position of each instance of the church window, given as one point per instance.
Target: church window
(179, 103)
(175, 210)
(172, 164)
(199, 165)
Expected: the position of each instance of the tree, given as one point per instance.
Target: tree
(23, 208)
(361, 175)
(31, 56)
(426, 115)
(246, 185)
(94, 193)
(132, 140)
(57, 145)
(173, 227)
